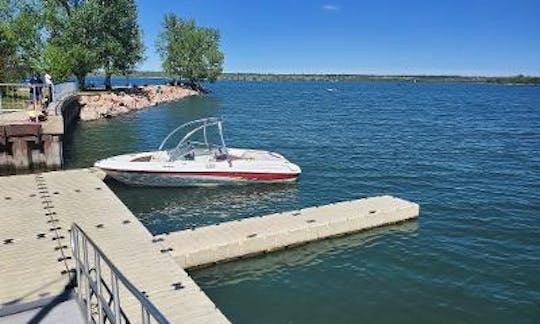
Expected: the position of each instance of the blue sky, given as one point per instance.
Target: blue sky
(467, 37)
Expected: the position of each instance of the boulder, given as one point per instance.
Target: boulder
(105, 105)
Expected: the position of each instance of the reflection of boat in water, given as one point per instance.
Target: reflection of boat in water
(191, 162)
(181, 208)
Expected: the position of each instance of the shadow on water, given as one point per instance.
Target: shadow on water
(235, 272)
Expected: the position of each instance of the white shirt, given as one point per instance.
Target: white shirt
(48, 79)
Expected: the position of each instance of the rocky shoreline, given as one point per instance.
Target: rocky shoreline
(103, 104)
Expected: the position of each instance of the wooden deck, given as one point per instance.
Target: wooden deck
(36, 212)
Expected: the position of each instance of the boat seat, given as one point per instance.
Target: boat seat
(162, 156)
(145, 158)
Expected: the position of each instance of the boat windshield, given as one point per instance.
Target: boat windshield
(198, 137)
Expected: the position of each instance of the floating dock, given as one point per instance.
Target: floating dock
(251, 236)
(37, 211)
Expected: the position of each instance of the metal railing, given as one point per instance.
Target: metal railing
(99, 284)
(24, 96)
(18, 96)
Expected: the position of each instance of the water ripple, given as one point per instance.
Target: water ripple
(468, 153)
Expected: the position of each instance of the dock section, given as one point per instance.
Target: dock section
(251, 236)
(36, 212)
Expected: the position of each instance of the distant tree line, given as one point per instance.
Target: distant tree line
(518, 79)
(77, 37)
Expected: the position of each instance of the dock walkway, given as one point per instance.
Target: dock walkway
(36, 213)
(255, 235)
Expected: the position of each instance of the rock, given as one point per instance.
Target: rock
(106, 105)
(88, 114)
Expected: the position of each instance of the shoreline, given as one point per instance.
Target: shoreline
(106, 104)
(249, 76)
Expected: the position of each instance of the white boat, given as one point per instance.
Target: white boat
(195, 163)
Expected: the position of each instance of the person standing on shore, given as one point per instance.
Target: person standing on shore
(50, 87)
(35, 89)
(35, 85)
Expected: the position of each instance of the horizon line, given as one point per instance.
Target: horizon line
(376, 74)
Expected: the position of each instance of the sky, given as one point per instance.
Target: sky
(456, 37)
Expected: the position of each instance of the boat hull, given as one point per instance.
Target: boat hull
(188, 179)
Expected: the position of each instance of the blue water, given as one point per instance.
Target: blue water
(469, 154)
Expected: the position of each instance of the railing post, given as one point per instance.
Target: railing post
(87, 281)
(97, 263)
(116, 298)
(145, 315)
(80, 241)
(76, 256)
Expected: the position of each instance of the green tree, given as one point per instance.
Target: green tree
(57, 62)
(21, 38)
(121, 47)
(72, 48)
(188, 51)
(68, 37)
(92, 34)
(9, 66)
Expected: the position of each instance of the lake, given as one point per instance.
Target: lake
(469, 154)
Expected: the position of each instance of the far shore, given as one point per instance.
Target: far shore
(105, 104)
(516, 79)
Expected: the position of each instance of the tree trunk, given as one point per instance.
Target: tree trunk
(195, 85)
(108, 85)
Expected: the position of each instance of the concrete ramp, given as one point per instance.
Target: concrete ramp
(251, 236)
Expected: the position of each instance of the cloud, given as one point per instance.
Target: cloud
(330, 7)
